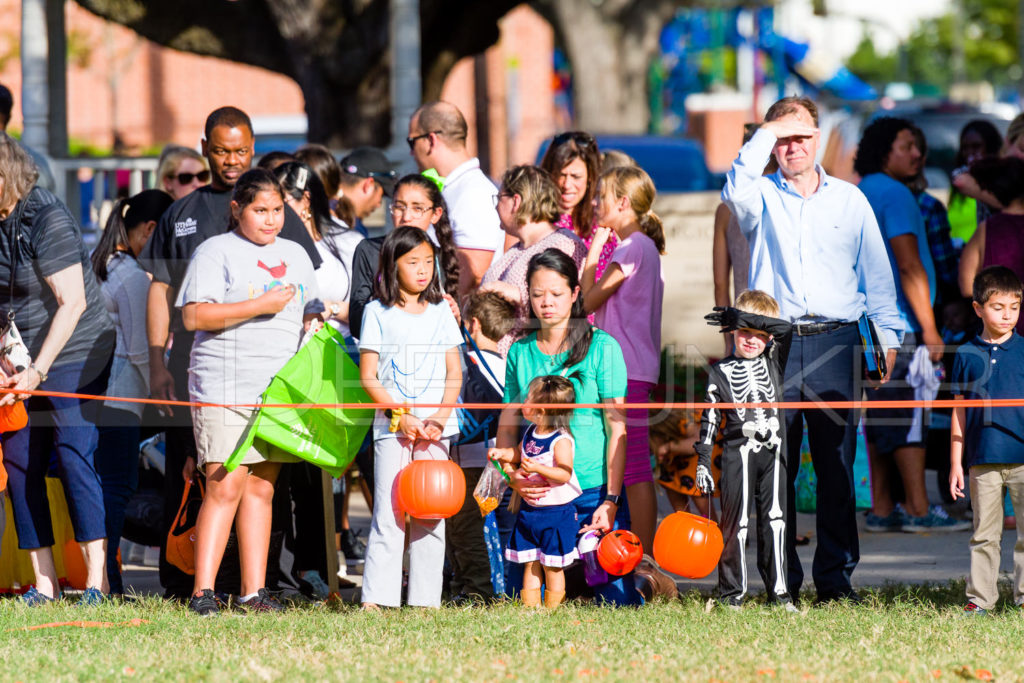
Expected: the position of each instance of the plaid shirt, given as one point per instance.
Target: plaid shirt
(936, 226)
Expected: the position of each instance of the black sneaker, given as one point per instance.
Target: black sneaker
(263, 602)
(731, 603)
(352, 547)
(850, 597)
(204, 604)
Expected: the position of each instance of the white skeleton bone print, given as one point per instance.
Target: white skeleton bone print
(750, 382)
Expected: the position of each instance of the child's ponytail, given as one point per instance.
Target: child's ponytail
(651, 224)
(634, 183)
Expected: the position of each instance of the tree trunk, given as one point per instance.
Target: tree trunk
(610, 46)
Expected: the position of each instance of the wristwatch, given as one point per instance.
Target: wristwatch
(613, 499)
(42, 375)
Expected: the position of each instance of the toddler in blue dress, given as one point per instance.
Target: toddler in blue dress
(544, 536)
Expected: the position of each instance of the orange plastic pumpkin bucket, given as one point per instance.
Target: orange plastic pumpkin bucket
(431, 489)
(619, 552)
(13, 417)
(688, 545)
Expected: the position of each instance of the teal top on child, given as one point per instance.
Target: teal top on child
(599, 377)
(982, 370)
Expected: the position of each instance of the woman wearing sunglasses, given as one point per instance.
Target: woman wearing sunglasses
(181, 170)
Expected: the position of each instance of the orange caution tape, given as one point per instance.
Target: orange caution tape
(83, 624)
(684, 405)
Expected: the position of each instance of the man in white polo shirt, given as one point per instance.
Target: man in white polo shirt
(437, 139)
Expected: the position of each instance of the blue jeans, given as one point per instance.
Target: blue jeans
(65, 427)
(117, 463)
(620, 592)
(823, 367)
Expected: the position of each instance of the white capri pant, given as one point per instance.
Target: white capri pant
(385, 547)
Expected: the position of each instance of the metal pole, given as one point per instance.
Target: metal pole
(327, 492)
(57, 81)
(35, 92)
(406, 82)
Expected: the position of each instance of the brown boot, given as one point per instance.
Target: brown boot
(553, 599)
(530, 597)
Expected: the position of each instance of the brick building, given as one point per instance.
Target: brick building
(125, 89)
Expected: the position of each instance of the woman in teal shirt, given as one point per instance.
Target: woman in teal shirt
(565, 344)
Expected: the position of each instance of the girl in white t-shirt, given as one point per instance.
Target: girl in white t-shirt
(626, 301)
(544, 536)
(409, 355)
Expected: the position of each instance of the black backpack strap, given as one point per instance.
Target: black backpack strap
(480, 356)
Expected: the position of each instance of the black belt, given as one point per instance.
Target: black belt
(809, 329)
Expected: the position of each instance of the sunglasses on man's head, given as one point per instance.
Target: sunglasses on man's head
(581, 139)
(186, 178)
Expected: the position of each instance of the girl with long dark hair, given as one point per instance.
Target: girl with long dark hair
(417, 203)
(408, 355)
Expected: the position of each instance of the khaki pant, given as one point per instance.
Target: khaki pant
(988, 483)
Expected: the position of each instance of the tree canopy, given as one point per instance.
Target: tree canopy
(985, 32)
(337, 50)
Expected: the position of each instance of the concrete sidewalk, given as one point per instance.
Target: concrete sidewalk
(885, 557)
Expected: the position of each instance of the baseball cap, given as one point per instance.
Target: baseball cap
(370, 162)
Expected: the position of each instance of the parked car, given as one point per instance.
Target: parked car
(674, 164)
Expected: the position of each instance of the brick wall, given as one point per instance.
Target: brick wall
(148, 94)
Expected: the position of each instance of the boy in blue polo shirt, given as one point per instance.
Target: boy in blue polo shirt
(989, 366)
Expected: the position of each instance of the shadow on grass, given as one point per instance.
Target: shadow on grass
(889, 595)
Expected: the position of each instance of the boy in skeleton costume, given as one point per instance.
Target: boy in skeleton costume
(753, 454)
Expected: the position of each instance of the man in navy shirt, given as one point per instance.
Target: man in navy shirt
(816, 248)
(187, 223)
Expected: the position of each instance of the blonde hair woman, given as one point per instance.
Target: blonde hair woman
(181, 170)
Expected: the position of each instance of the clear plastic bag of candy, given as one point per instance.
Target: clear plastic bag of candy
(489, 489)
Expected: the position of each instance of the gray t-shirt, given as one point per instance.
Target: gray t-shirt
(235, 365)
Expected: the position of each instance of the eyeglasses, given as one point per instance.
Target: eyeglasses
(411, 210)
(186, 178)
(581, 138)
(495, 198)
(412, 141)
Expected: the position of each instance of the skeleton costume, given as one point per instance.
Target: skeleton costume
(753, 456)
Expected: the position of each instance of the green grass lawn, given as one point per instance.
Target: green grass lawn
(911, 633)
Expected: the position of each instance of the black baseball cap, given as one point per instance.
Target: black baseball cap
(370, 162)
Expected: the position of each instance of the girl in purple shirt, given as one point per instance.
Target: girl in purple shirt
(627, 301)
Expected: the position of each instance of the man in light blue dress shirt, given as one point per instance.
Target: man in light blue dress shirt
(815, 246)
